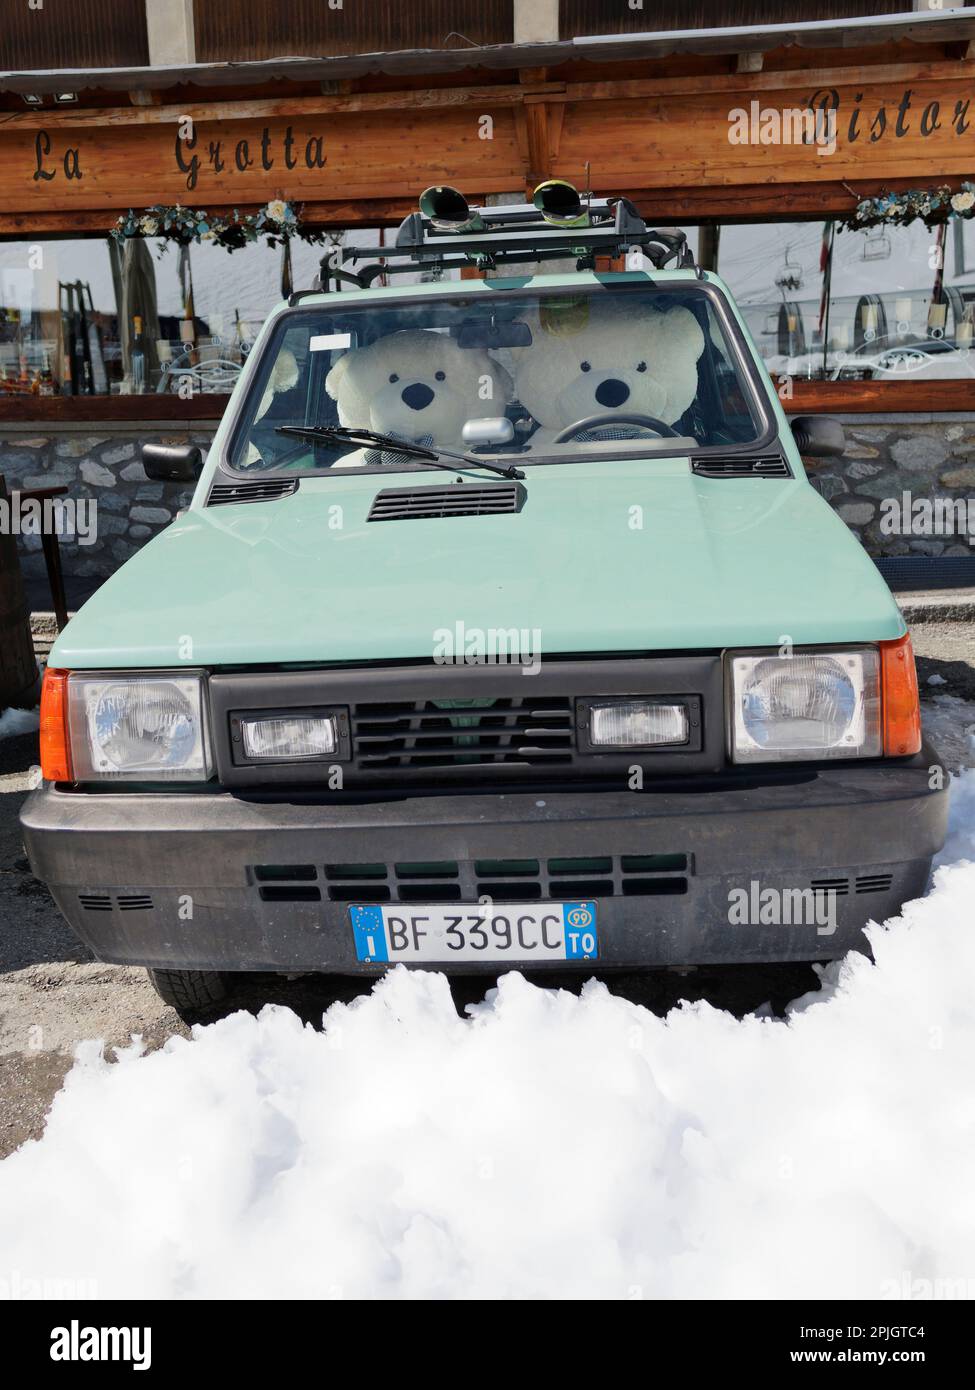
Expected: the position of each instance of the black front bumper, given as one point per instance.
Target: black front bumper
(221, 881)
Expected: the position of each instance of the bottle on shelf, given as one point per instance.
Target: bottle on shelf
(47, 376)
(138, 358)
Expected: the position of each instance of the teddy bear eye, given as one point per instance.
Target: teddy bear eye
(394, 377)
(586, 367)
(440, 376)
(641, 366)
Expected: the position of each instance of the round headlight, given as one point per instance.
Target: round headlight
(811, 700)
(145, 725)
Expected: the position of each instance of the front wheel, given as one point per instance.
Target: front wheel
(190, 992)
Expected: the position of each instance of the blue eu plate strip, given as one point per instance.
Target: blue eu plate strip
(370, 935)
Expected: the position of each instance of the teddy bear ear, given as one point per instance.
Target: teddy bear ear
(679, 332)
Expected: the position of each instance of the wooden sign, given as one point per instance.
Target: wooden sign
(246, 161)
(921, 130)
(658, 133)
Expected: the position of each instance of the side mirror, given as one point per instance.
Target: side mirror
(819, 436)
(172, 463)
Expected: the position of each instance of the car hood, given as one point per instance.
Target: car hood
(632, 556)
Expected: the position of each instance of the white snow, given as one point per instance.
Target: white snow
(19, 721)
(551, 1146)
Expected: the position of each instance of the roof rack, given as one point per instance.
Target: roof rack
(491, 237)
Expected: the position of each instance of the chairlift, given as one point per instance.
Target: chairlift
(876, 246)
(790, 275)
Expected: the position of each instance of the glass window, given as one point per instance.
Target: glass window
(879, 304)
(539, 375)
(85, 316)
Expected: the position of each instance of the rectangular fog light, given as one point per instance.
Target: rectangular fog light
(637, 724)
(289, 736)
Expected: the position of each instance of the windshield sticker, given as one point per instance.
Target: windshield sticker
(325, 342)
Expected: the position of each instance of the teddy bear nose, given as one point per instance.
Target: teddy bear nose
(612, 392)
(417, 396)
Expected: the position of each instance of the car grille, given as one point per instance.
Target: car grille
(477, 724)
(252, 490)
(768, 466)
(503, 880)
(430, 502)
(530, 731)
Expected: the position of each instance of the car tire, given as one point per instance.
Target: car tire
(191, 993)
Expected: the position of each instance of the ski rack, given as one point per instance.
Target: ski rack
(513, 234)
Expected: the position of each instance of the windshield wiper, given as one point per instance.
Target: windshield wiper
(327, 434)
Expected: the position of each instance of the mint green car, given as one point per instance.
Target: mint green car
(504, 630)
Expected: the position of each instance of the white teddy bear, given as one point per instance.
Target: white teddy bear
(605, 356)
(417, 385)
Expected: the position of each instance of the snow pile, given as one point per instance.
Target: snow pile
(552, 1146)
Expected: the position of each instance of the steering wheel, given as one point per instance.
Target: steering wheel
(592, 422)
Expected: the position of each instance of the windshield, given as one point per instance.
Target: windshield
(519, 376)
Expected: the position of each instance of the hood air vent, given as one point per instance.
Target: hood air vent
(260, 490)
(456, 499)
(765, 466)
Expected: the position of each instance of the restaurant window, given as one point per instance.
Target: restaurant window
(881, 304)
(86, 316)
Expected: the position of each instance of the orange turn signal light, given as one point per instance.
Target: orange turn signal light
(55, 746)
(900, 703)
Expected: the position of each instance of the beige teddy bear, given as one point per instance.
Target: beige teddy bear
(417, 385)
(608, 355)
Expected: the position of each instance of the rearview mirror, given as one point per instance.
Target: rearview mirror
(172, 463)
(478, 334)
(818, 436)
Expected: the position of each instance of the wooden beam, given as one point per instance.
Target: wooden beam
(376, 212)
(539, 143)
(769, 80)
(42, 410)
(503, 94)
(237, 109)
(761, 202)
(879, 397)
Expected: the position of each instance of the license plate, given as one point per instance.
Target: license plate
(512, 932)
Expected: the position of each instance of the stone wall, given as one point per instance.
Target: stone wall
(101, 464)
(929, 457)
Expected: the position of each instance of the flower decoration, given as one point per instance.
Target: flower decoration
(930, 206)
(274, 224)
